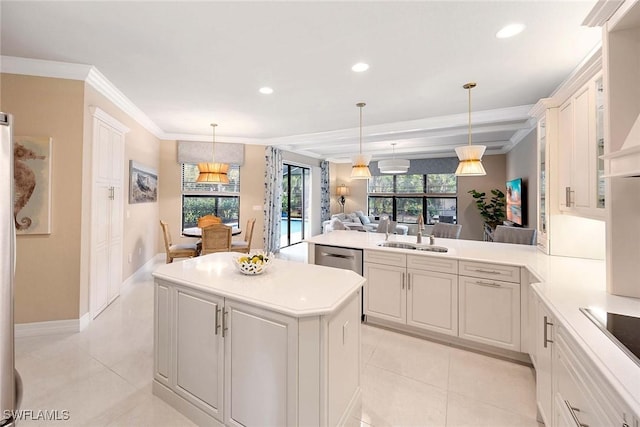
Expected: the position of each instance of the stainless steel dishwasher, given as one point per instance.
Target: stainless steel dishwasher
(345, 258)
(334, 256)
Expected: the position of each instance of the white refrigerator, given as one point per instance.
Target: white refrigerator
(10, 386)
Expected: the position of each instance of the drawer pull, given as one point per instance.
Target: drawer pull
(573, 411)
(402, 280)
(546, 337)
(480, 270)
(490, 284)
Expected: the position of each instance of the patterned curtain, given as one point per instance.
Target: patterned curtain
(272, 199)
(325, 195)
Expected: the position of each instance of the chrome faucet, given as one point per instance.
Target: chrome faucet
(419, 237)
(386, 231)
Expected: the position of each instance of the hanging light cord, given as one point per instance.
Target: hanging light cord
(469, 86)
(360, 105)
(213, 145)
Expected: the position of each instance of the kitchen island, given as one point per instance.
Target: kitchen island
(280, 348)
(511, 300)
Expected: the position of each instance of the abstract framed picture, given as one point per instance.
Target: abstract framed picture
(143, 183)
(32, 184)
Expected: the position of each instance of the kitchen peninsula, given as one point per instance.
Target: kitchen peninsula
(280, 348)
(510, 300)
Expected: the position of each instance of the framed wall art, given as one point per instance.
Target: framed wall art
(143, 183)
(32, 183)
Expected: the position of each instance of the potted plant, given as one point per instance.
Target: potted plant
(492, 211)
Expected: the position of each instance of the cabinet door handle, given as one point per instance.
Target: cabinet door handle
(402, 280)
(490, 284)
(573, 411)
(480, 270)
(216, 325)
(224, 322)
(409, 281)
(567, 195)
(546, 337)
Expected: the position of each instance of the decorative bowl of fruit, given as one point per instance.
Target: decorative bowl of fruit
(255, 263)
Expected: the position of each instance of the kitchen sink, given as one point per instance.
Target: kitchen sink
(405, 245)
(432, 248)
(398, 245)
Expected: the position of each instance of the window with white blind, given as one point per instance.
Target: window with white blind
(202, 198)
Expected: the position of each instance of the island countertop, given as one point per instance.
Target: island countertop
(565, 284)
(290, 288)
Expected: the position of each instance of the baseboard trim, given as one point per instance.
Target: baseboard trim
(48, 328)
(70, 326)
(146, 268)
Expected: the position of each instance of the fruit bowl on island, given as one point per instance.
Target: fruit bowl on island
(253, 263)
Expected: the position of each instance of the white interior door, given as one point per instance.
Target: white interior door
(105, 276)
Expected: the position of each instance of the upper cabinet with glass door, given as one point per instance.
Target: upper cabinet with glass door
(580, 145)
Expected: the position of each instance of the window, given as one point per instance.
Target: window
(199, 198)
(404, 197)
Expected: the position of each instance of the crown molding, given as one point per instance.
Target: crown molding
(580, 76)
(601, 12)
(42, 68)
(207, 138)
(99, 82)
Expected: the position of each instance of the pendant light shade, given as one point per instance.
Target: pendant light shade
(213, 172)
(360, 162)
(394, 165)
(470, 156)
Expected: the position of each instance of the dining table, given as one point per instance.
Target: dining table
(197, 231)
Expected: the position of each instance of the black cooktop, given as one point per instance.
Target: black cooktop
(622, 329)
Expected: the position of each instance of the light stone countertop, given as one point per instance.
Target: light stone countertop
(565, 285)
(292, 288)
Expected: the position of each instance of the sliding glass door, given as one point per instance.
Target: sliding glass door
(295, 204)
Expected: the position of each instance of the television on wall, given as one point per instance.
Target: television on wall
(515, 202)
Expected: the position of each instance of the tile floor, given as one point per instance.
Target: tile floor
(102, 376)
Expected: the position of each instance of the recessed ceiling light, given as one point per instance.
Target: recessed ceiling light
(360, 67)
(510, 31)
(266, 90)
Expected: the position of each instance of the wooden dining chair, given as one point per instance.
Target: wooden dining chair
(203, 221)
(245, 245)
(184, 250)
(216, 238)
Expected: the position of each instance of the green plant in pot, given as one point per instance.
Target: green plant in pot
(493, 210)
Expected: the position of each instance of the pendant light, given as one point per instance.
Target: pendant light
(393, 165)
(213, 172)
(360, 162)
(470, 155)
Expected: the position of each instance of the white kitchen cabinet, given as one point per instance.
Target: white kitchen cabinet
(543, 349)
(490, 312)
(489, 304)
(423, 295)
(579, 145)
(199, 350)
(257, 339)
(162, 334)
(574, 405)
(385, 295)
(225, 362)
(432, 301)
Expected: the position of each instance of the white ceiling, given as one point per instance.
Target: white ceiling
(187, 64)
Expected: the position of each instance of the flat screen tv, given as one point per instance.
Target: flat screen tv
(515, 202)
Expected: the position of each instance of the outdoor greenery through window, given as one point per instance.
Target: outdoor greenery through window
(405, 197)
(200, 198)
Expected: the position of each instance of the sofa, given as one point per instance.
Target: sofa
(357, 221)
